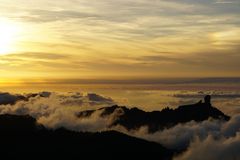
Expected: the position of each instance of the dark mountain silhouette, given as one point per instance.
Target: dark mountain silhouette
(22, 135)
(157, 120)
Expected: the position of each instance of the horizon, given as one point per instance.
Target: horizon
(123, 80)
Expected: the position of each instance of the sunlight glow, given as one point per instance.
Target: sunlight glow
(8, 36)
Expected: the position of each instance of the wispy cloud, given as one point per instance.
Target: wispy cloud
(36, 16)
(227, 1)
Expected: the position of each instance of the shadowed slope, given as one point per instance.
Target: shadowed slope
(21, 135)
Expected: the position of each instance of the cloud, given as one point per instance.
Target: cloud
(132, 10)
(212, 149)
(7, 98)
(213, 139)
(180, 136)
(37, 55)
(41, 62)
(65, 118)
(217, 95)
(44, 103)
(227, 1)
(51, 16)
(55, 110)
(97, 98)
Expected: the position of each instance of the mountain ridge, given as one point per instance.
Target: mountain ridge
(135, 118)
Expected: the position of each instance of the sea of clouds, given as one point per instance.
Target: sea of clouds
(213, 139)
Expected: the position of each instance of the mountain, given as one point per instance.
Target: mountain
(21, 135)
(157, 120)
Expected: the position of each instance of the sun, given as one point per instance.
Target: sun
(8, 36)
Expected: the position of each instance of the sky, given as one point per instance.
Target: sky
(71, 39)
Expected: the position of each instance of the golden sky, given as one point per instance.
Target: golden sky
(119, 38)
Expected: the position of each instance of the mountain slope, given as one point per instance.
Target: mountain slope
(22, 135)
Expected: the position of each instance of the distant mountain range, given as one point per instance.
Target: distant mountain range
(135, 118)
